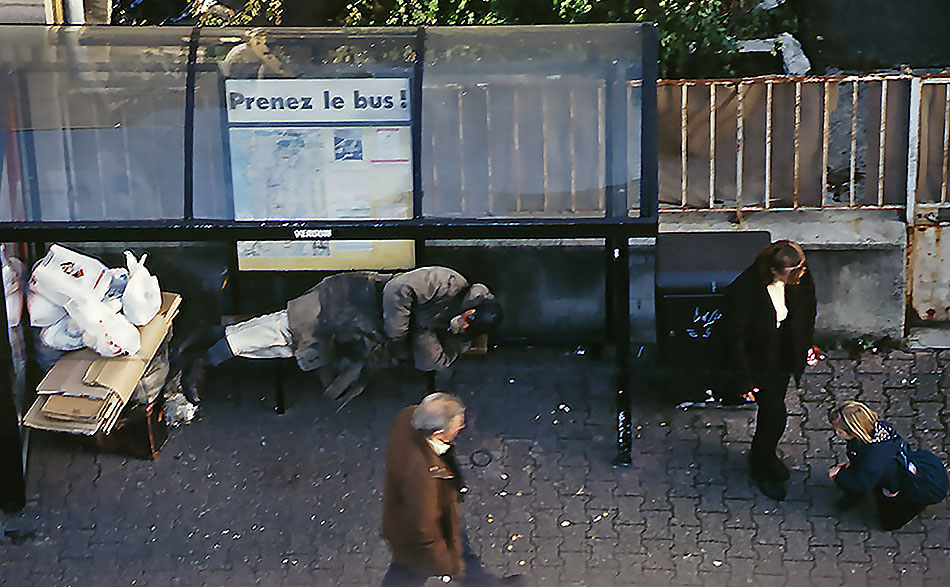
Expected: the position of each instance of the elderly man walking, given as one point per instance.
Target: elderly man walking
(421, 520)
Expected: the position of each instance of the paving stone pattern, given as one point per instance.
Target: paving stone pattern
(245, 496)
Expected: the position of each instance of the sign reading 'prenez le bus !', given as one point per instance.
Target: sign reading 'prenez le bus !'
(317, 100)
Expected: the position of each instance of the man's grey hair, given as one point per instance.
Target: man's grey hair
(435, 411)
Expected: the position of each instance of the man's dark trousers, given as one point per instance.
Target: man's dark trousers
(475, 574)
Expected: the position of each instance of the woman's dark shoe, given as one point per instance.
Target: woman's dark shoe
(780, 469)
(772, 488)
(765, 476)
(896, 516)
(766, 468)
(847, 501)
(895, 523)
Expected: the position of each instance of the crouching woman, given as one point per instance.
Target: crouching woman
(902, 481)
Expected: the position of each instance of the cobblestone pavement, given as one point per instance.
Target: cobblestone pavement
(244, 496)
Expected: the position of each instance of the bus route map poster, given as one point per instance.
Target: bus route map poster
(321, 149)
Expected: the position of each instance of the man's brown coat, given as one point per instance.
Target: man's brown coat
(420, 504)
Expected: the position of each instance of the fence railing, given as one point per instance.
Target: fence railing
(790, 143)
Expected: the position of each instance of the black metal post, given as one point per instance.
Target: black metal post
(13, 486)
(416, 121)
(226, 172)
(617, 282)
(610, 310)
(620, 262)
(610, 201)
(649, 183)
(189, 152)
(28, 154)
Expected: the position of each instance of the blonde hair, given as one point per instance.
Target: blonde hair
(856, 419)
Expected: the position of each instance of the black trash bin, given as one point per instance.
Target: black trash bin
(692, 270)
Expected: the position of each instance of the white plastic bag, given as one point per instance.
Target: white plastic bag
(120, 278)
(143, 297)
(105, 332)
(64, 335)
(42, 311)
(12, 286)
(64, 275)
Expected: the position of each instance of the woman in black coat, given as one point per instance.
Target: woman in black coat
(769, 323)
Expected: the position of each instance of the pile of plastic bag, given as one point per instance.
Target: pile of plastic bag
(79, 302)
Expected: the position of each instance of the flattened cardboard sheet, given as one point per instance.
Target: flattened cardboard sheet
(35, 418)
(66, 376)
(97, 385)
(118, 375)
(64, 407)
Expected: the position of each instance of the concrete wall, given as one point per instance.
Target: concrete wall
(23, 11)
(554, 291)
(857, 258)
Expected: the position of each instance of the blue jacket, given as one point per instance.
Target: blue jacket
(873, 466)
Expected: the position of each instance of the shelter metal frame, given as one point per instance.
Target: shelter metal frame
(616, 227)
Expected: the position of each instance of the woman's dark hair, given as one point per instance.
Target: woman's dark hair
(487, 317)
(779, 255)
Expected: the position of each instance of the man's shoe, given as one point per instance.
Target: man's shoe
(196, 342)
(772, 488)
(194, 379)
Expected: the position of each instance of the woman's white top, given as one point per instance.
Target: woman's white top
(776, 291)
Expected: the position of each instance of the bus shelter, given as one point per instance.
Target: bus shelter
(321, 150)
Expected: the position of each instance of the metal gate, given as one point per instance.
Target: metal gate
(928, 207)
(826, 143)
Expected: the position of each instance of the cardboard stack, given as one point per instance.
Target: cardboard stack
(84, 393)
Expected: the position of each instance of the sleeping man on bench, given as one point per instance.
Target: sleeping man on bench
(351, 324)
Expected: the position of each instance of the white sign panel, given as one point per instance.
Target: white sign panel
(321, 150)
(317, 100)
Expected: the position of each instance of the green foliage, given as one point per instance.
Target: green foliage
(418, 12)
(698, 38)
(254, 12)
(148, 12)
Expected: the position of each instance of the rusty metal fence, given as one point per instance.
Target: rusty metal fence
(803, 143)
(930, 161)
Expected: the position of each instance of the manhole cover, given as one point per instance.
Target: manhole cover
(480, 458)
